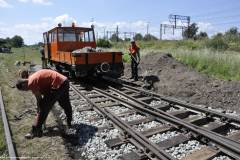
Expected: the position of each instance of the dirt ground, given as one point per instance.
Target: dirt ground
(179, 81)
(21, 111)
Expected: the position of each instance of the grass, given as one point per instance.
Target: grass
(16, 102)
(3, 147)
(218, 63)
(222, 65)
(8, 72)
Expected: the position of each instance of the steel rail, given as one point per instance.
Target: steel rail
(8, 137)
(148, 145)
(187, 105)
(232, 146)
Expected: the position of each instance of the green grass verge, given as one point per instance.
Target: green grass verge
(7, 67)
(218, 63)
(3, 147)
(222, 65)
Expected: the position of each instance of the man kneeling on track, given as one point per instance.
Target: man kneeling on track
(48, 86)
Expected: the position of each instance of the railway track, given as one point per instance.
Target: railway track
(7, 132)
(120, 120)
(151, 126)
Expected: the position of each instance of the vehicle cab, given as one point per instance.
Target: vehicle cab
(67, 39)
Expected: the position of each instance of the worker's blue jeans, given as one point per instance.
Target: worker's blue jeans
(134, 67)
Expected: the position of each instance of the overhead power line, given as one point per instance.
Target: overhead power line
(217, 17)
(225, 23)
(216, 12)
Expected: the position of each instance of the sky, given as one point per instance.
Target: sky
(30, 18)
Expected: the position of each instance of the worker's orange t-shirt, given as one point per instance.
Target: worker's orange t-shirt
(133, 49)
(45, 80)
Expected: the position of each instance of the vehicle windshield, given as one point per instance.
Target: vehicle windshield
(71, 35)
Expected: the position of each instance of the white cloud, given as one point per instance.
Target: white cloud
(65, 19)
(207, 27)
(41, 2)
(32, 33)
(4, 4)
(24, 1)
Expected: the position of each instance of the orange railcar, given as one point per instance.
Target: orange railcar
(73, 49)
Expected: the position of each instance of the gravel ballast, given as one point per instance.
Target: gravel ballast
(222, 158)
(184, 149)
(145, 126)
(163, 136)
(133, 117)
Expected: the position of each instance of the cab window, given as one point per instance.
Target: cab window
(80, 37)
(45, 38)
(54, 36)
(66, 35)
(69, 36)
(91, 38)
(50, 37)
(86, 37)
(60, 35)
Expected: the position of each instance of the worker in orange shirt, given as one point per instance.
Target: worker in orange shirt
(48, 86)
(135, 59)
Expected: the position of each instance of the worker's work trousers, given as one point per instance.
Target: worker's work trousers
(46, 103)
(134, 67)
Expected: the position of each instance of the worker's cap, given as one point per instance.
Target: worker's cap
(21, 84)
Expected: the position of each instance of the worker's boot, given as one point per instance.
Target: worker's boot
(35, 132)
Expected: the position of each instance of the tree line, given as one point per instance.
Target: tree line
(16, 42)
(228, 40)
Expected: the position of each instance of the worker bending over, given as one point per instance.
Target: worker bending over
(48, 86)
(135, 59)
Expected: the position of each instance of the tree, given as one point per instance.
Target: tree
(17, 41)
(127, 39)
(115, 38)
(103, 43)
(217, 42)
(2, 42)
(232, 35)
(138, 37)
(232, 31)
(191, 31)
(40, 44)
(149, 37)
(202, 35)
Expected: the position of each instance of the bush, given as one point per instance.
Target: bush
(149, 37)
(188, 44)
(104, 43)
(126, 58)
(17, 41)
(217, 43)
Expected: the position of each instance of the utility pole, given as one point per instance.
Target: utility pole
(173, 27)
(117, 34)
(104, 30)
(184, 19)
(173, 19)
(147, 27)
(160, 37)
(92, 21)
